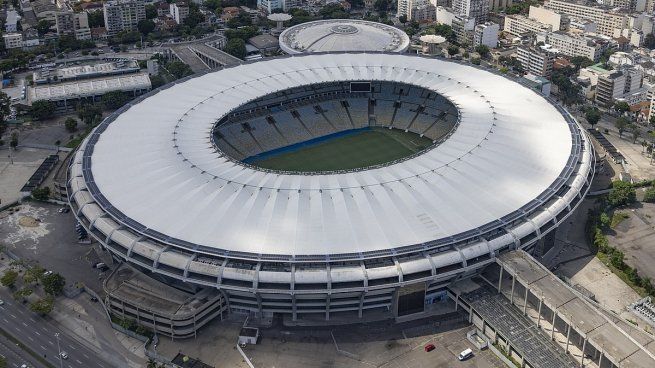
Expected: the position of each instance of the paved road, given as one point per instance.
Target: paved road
(39, 334)
(15, 356)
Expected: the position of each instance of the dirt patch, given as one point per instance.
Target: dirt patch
(28, 221)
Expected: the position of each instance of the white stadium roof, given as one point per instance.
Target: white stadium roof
(154, 167)
(336, 35)
(89, 87)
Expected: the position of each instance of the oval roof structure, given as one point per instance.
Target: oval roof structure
(336, 35)
(153, 167)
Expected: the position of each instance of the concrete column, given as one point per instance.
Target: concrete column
(600, 360)
(552, 331)
(456, 302)
(511, 297)
(525, 301)
(539, 317)
(584, 344)
(568, 335)
(500, 279)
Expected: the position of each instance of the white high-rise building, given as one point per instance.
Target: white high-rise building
(478, 9)
(123, 15)
(486, 34)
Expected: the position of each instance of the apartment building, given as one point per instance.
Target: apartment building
(77, 24)
(13, 40)
(495, 5)
(423, 12)
(478, 9)
(556, 20)
(610, 86)
(123, 15)
(486, 34)
(518, 25)
(588, 46)
(180, 11)
(464, 28)
(607, 22)
(536, 60)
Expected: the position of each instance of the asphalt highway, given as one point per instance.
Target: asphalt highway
(38, 333)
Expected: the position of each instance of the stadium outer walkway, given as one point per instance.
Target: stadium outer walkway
(529, 288)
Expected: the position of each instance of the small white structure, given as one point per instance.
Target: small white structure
(248, 335)
(430, 44)
(279, 19)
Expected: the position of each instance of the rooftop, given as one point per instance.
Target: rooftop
(343, 35)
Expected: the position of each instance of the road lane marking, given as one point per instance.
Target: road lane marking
(37, 332)
(86, 356)
(78, 362)
(72, 348)
(31, 339)
(51, 343)
(5, 320)
(12, 316)
(24, 324)
(43, 347)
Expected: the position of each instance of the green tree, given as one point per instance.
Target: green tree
(53, 284)
(41, 194)
(43, 306)
(5, 110)
(581, 62)
(114, 100)
(621, 124)
(593, 116)
(70, 124)
(483, 50)
(236, 47)
(621, 106)
(8, 279)
(453, 50)
(42, 110)
(96, 19)
(145, 26)
(89, 113)
(13, 142)
(381, 5)
(151, 12)
(33, 274)
(43, 26)
(649, 195)
(23, 293)
(446, 31)
(402, 19)
(651, 121)
(3, 362)
(179, 69)
(635, 132)
(622, 193)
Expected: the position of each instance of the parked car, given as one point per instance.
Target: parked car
(428, 348)
(465, 354)
(63, 355)
(2, 302)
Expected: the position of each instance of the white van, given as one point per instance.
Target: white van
(465, 354)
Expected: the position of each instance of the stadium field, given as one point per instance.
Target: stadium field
(343, 151)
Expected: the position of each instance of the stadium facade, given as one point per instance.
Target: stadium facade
(162, 185)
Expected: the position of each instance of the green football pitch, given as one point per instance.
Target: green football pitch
(357, 149)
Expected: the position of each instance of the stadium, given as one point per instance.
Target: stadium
(335, 186)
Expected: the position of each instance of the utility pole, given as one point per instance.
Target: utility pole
(61, 362)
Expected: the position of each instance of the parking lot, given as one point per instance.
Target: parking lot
(38, 233)
(381, 344)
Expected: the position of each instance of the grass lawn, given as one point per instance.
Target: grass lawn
(357, 150)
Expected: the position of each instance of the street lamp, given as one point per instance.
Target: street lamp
(61, 362)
